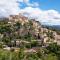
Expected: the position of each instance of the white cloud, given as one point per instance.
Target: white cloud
(8, 7)
(25, 1)
(50, 17)
(34, 4)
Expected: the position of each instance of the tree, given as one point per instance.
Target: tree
(18, 25)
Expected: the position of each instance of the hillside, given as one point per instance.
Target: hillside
(22, 38)
(17, 27)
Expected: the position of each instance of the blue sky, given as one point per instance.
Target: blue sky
(46, 4)
(50, 4)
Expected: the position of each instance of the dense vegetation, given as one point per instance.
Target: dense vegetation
(10, 33)
(52, 52)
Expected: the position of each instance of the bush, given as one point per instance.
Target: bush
(12, 49)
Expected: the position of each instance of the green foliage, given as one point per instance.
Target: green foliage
(32, 56)
(34, 43)
(28, 37)
(21, 55)
(50, 34)
(18, 25)
(51, 57)
(1, 45)
(6, 40)
(53, 48)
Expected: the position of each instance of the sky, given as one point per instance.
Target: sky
(45, 11)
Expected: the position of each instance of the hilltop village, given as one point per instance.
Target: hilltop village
(18, 30)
